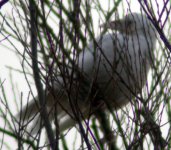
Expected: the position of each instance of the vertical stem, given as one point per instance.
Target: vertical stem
(41, 94)
(106, 129)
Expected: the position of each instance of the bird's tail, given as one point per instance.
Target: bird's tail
(28, 111)
(30, 114)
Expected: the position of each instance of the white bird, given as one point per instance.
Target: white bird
(114, 68)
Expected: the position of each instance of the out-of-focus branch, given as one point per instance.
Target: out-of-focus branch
(106, 129)
(41, 94)
(9, 133)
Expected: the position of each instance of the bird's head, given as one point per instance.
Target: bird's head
(132, 23)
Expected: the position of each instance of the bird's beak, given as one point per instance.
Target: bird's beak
(118, 25)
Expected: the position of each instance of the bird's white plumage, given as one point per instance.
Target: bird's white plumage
(118, 57)
(117, 62)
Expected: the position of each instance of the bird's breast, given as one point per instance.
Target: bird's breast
(119, 65)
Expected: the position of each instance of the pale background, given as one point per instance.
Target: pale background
(8, 57)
